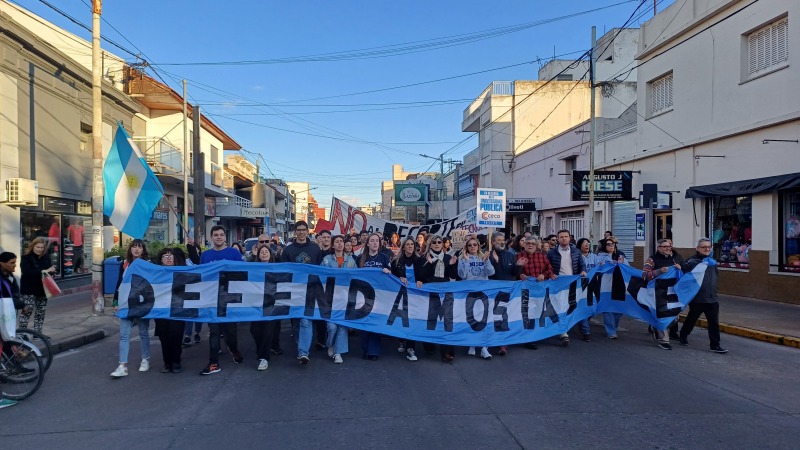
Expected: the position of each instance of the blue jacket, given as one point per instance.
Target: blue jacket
(577, 261)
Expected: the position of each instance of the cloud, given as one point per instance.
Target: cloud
(258, 87)
(351, 200)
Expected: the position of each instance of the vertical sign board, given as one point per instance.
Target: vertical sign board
(640, 226)
(491, 208)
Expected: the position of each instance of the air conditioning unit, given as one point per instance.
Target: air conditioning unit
(22, 192)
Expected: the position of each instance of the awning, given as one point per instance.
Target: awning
(745, 187)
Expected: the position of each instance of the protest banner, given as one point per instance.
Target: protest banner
(469, 313)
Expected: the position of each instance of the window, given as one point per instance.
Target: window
(564, 77)
(572, 221)
(731, 221)
(768, 47)
(570, 164)
(790, 221)
(660, 91)
(214, 155)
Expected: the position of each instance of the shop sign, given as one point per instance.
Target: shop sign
(663, 201)
(523, 204)
(160, 215)
(410, 194)
(254, 213)
(608, 185)
(491, 210)
(59, 205)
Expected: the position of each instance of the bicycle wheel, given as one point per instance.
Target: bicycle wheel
(40, 340)
(21, 370)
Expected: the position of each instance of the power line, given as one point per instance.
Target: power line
(400, 49)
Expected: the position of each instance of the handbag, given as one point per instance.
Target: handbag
(8, 314)
(51, 289)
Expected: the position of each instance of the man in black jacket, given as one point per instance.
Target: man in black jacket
(502, 259)
(8, 265)
(705, 302)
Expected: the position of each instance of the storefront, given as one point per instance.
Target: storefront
(66, 225)
(789, 221)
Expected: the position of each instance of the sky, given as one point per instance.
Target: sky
(341, 90)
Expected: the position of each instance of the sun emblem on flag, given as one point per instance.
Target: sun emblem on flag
(133, 180)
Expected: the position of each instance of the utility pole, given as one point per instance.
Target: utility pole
(199, 179)
(441, 184)
(98, 302)
(592, 137)
(186, 166)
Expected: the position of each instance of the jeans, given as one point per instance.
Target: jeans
(337, 338)
(187, 331)
(231, 339)
(125, 338)
(304, 332)
(711, 311)
(611, 322)
(585, 327)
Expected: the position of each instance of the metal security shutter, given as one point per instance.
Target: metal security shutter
(623, 225)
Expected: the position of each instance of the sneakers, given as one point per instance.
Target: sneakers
(187, 341)
(485, 353)
(402, 347)
(330, 352)
(211, 368)
(565, 341)
(719, 349)
(5, 403)
(197, 338)
(471, 351)
(144, 366)
(263, 364)
(613, 337)
(121, 371)
(664, 346)
(337, 358)
(237, 357)
(303, 359)
(411, 355)
(683, 341)
(503, 350)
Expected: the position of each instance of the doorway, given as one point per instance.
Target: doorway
(663, 225)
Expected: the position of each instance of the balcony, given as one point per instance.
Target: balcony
(473, 113)
(472, 161)
(161, 156)
(235, 206)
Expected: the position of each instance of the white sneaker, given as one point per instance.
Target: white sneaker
(411, 355)
(330, 352)
(120, 372)
(485, 353)
(471, 351)
(337, 359)
(263, 364)
(144, 366)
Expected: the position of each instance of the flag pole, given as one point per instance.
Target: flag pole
(98, 302)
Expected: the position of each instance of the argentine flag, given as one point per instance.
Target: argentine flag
(132, 190)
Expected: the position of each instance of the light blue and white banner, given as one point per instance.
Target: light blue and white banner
(480, 313)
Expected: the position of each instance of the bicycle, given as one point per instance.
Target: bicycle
(21, 369)
(26, 334)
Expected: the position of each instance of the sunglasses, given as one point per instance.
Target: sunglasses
(436, 242)
(263, 242)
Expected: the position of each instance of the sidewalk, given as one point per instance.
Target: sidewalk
(70, 324)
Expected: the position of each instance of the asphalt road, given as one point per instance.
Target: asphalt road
(603, 394)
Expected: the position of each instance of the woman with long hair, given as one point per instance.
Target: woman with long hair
(170, 331)
(408, 267)
(337, 334)
(34, 262)
(473, 264)
(372, 256)
(439, 267)
(136, 250)
(264, 331)
(610, 254)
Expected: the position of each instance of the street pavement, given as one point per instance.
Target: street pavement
(603, 394)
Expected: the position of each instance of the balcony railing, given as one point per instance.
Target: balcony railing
(234, 200)
(162, 156)
(496, 88)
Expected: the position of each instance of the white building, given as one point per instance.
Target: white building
(717, 128)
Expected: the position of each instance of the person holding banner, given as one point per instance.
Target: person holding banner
(221, 252)
(264, 331)
(533, 264)
(170, 331)
(610, 254)
(473, 264)
(659, 263)
(503, 260)
(302, 251)
(590, 261)
(136, 250)
(372, 256)
(705, 302)
(35, 261)
(337, 334)
(566, 259)
(439, 267)
(407, 266)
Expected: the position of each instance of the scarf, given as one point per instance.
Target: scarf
(439, 268)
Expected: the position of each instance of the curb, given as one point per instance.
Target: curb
(789, 341)
(77, 341)
(75, 290)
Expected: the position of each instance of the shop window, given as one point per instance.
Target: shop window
(40, 224)
(790, 220)
(731, 222)
(74, 259)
